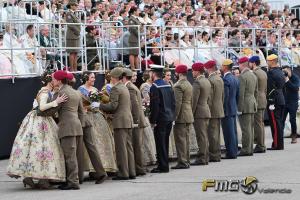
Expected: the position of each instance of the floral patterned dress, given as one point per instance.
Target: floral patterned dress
(36, 151)
(102, 135)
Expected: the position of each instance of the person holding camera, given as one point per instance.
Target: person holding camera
(290, 91)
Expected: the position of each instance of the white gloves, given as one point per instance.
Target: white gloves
(239, 113)
(272, 107)
(135, 125)
(95, 105)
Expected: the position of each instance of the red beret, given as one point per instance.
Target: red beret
(70, 76)
(243, 60)
(210, 64)
(60, 75)
(198, 66)
(181, 69)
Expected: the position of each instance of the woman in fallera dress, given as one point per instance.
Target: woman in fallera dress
(36, 152)
(149, 142)
(103, 134)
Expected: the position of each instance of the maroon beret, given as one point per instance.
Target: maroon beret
(70, 76)
(210, 64)
(60, 75)
(243, 60)
(181, 69)
(198, 66)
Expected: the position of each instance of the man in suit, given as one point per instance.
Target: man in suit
(216, 101)
(291, 90)
(122, 124)
(183, 91)
(134, 37)
(247, 106)
(275, 101)
(259, 127)
(231, 95)
(201, 112)
(69, 128)
(138, 120)
(73, 34)
(162, 107)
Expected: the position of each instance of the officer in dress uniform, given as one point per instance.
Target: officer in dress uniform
(201, 112)
(183, 91)
(216, 101)
(231, 95)
(162, 107)
(122, 123)
(276, 101)
(138, 120)
(247, 106)
(259, 127)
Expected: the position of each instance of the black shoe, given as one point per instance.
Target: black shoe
(178, 166)
(101, 179)
(214, 160)
(257, 150)
(119, 178)
(157, 170)
(141, 174)
(69, 187)
(132, 177)
(197, 162)
(245, 154)
(228, 157)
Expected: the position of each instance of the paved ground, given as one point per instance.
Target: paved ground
(274, 169)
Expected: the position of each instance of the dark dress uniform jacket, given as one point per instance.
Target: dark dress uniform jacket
(231, 94)
(291, 90)
(276, 82)
(162, 102)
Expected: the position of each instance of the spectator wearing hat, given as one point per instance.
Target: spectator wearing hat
(259, 128)
(247, 106)
(231, 95)
(71, 117)
(290, 92)
(122, 123)
(138, 120)
(134, 37)
(92, 55)
(216, 102)
(162, 107)
(183, 91)
(73, 34)
(201, 112)
(275, 101)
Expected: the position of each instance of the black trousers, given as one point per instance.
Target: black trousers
(161, 135)
(276, 122)
(291, 109)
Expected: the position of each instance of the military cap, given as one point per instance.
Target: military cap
(116, 72)
(181, 69)
(198, 66)
(254, 59)
(158, 68)
(128, 72)
(227, 62)
(210, 64)
(272, 57)
(60, 75)
(243, 60)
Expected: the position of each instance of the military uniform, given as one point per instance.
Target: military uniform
(259, 127)
(162, 107)
(275, 97)
(133, 40)
(216, 102)
(122, 123)
(73, 31)
(201, 112)
(183, 91)
(139, 121)
(247, 106)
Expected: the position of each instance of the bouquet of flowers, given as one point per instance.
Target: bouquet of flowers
(146, 108)
(95, 96)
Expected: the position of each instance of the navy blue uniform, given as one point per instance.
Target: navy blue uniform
(276, 82)
(231, 95)
(291, 101)
(162, 113)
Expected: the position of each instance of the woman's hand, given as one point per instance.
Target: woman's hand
(61, 99)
